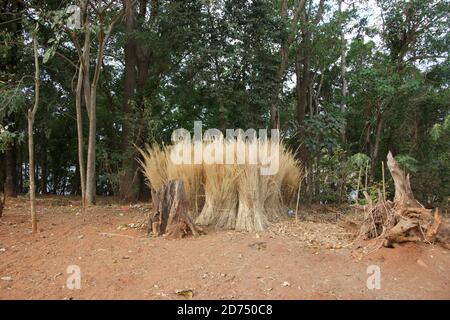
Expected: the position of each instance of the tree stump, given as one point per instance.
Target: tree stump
(170, 217)
(403, 219)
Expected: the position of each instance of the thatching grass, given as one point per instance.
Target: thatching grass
(154, 165)
(252, 191)
(289, 176)
(221, 199)
(229, 196)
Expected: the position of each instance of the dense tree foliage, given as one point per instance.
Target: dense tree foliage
(345, 81)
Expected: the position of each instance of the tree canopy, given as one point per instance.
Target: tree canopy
(344, 81)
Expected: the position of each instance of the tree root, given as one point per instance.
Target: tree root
(401, 220)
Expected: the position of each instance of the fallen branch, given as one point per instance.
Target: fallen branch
(115, 235)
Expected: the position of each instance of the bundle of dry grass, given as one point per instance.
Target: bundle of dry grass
(220, 208)
(255, 210)
(283, 185)
(231, 196)
(154, 165)
(289, 174)
(252, 191)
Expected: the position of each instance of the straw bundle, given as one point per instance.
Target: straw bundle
(220, 188)
(289, 175)
(253, 190)
(154, 165)
(230, 196)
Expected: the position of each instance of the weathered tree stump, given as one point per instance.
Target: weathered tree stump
(403, 219)
(170, 217)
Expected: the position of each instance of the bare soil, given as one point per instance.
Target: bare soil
(314, 258)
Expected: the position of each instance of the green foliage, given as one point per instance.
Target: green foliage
(407, 163)
(359, 160)
(441, 130)
(12, 102)
(323, 132)
(204, 55)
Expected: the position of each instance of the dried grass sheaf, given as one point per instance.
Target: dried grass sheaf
(228, 196)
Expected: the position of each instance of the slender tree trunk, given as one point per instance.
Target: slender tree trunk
(221, 116)
(2, 171)
(31, 164)
(274, 116)
(90, 100)
(284, 51)
(20, 173)
(2, 184)
(128, 187)
(302, 68)
(302, 84)
(90, 90)
(11, 172)
(90, 172)
(376, 146)
(274, 109)
(344, 90)
(83, 84)
(91, 187)
(44, 168)
(81, 167)
(143, 56)
(31, 117)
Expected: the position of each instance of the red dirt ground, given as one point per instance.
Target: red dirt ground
(120, 262)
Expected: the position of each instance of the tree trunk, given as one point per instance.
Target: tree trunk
(222, 116)
(128, 184)
(284, 51)
(376, 145)
(403, 193)
(91, 187)
(2, 185)
(84, 82)
(91, 104)
(344, 90)
(170, 216)
(11, 172)
(90, 87)
(274, 109)
(302, 67)
(274, 116)
(20, 172)
(134, 184)
(31, 116)
(44, 168)
(2, 199)
(31, 170)
(302, 73)
(81, 167)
